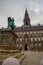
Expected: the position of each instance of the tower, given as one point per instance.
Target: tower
(26, 20)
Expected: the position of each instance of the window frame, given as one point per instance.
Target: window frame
(3, 39)
(13, 41)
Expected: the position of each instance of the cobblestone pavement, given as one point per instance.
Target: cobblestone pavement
(32, 58)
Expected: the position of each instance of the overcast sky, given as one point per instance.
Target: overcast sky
(16, 9)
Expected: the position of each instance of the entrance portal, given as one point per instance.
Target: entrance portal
(25, 47)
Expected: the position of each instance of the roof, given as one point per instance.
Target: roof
(23, 28)
(29, 28)
(8, 30)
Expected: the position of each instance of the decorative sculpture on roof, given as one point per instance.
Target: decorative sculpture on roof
(11, 23)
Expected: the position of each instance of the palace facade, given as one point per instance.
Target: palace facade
(29, 37)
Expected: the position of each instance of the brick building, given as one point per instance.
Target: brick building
(7, 39)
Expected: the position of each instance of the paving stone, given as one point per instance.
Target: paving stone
(32, 58)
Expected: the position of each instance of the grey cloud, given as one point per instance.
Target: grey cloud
(16, 9)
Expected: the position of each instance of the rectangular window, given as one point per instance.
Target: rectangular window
(34, 31)
(38, 32)
(41, 31)
(13, 41)
(39, 39)
(31, 39)
(20, 33)
(4, 39)
(42, 38)
(35, 39)
(31, 45)
(35, 44)
(25, 39)
(30, 32)
(39, 44)
(20, 39)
